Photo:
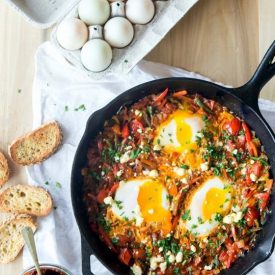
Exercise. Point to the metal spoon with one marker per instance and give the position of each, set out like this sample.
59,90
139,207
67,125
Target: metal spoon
29,241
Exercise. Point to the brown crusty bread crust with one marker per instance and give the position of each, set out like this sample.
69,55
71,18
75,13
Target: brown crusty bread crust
37,145
4,169
11,240
26,199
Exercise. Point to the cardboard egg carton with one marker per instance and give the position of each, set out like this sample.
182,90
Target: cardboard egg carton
146,37
45,13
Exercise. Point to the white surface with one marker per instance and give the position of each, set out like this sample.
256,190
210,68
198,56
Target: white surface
146,37
58,84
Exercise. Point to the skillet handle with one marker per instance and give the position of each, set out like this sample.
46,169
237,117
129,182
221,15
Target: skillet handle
250,91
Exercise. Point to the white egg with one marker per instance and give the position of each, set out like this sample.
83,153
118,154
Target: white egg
94,12
96,55
118,32
143,200
179,131
140,11
212,198
72,34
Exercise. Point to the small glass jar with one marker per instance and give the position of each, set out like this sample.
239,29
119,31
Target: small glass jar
57,268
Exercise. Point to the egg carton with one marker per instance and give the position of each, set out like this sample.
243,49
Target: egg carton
43,13
146,37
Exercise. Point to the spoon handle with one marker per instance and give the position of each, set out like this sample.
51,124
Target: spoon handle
29,241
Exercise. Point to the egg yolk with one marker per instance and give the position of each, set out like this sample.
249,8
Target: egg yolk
177,133
213,203
150,200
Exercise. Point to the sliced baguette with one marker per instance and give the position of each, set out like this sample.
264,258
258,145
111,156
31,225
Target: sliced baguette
4,169
26,199
36,146
11,240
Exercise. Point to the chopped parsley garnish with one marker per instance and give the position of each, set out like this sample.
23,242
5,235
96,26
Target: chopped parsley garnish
58,185
186,216
66,108
115,240
80,108
134,154
184,166
105,224
19,91
46,183
218,217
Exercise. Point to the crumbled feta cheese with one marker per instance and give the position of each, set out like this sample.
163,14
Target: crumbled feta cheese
132,163
179,171
138,113
102,173
253,177
153,173
125,157
204,166
151,211
116,158
184,180
119,173
139,130
160,249
220,143
252,161
236,208
193,248
238,216
243,171
228,219
157,147
179,257
207,267
153,263
108,200
139,221
171,258
163,266
199,135
168,253
136,269
145,172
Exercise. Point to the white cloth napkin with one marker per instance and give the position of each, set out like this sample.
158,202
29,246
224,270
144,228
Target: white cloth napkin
65,94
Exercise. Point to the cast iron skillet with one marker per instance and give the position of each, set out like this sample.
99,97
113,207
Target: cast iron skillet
243,101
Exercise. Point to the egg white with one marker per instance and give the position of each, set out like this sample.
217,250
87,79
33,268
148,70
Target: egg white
126,199
172,134
195,223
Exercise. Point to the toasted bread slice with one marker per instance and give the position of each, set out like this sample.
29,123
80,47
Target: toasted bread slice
11,240
36,146
26,199
4,169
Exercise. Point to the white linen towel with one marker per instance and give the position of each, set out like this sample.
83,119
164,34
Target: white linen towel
65,94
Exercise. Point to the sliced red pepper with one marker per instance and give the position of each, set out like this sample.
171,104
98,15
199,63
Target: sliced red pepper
102,194
100,144
252,149
180,93
263,200
125,131
251,215
247,132
125,256
106,239
161,96
113,188
135,126
256,169
233,126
